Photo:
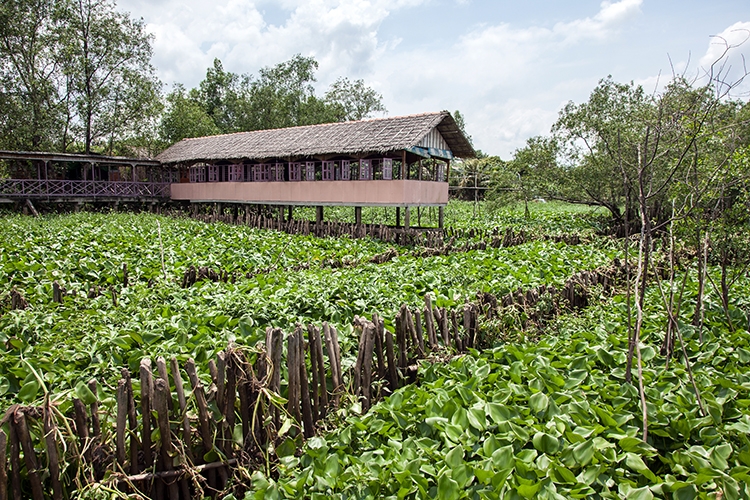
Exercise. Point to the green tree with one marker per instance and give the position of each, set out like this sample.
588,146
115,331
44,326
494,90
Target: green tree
527,175
112,82
30,71
353,100
185,117
220,95
282,95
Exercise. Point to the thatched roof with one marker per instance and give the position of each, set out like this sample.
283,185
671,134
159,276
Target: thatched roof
373,136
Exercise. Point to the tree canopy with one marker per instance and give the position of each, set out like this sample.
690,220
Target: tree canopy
279,96
75,75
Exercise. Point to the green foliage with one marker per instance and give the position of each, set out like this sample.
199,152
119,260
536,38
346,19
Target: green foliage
353,100
551,419
280,96
74,74
184,118
31,113
332,281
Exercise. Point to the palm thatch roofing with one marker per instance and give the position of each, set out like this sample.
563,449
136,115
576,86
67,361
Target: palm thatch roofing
381,135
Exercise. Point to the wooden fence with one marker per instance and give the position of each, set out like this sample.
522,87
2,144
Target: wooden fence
162,440
434,241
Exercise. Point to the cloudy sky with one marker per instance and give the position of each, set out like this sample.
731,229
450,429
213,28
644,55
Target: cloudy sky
509,66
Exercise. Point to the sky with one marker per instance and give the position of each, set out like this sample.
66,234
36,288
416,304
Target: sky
508,66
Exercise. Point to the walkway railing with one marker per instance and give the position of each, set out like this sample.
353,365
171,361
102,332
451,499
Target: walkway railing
35,188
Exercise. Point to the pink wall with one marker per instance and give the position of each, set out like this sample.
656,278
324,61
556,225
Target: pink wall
348,193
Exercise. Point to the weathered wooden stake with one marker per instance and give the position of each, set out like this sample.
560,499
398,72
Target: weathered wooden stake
122,418
96,429
332,348
392,373
161,369
401,328
19,419
3,466
273,344
415,329
230,398
132,423
161,397
15,463
307,416
146,397
200,399
323,389
53,457
369,334
456,334
428,317
379,332
293,352
182,401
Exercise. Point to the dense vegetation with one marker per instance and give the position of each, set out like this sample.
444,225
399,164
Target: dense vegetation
154,315
541,409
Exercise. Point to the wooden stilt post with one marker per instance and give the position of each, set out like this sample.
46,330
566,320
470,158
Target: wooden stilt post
406,218
441,217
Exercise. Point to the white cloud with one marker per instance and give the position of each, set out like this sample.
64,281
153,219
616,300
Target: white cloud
508,79
609,18
504,79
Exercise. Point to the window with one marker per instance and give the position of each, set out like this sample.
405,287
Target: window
346,170
278,172
328,170
213,173
365,170
295,172
236,173
387,168
192,174
260,172
440,173
310,171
